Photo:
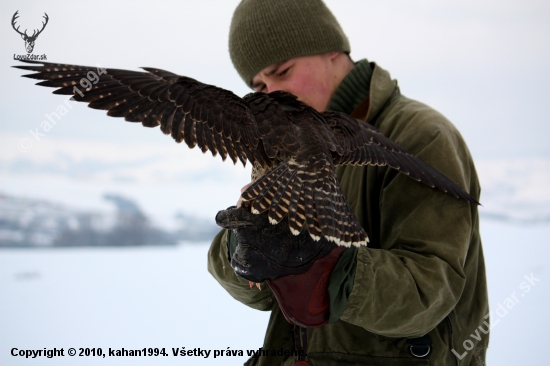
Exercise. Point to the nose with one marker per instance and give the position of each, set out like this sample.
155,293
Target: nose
271,87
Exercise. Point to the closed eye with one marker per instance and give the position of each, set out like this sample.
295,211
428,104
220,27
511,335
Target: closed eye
259,88
283,72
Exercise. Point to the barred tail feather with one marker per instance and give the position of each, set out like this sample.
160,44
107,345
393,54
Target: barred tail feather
296,212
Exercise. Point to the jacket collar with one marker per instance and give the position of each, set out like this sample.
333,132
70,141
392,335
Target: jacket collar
364,91
382,88
353,89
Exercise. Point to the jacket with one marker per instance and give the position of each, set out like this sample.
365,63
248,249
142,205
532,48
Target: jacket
423,272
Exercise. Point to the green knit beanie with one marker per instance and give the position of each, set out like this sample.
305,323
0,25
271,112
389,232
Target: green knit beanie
264,32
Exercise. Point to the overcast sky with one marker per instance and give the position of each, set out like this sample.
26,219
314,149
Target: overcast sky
483,64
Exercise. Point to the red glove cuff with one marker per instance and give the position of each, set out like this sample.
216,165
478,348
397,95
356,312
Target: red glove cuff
303,298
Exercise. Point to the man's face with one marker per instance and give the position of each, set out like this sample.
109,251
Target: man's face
311,78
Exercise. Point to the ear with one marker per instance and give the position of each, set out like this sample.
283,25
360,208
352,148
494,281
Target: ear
333,55
23,36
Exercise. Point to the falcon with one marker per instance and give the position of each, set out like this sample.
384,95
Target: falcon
293,148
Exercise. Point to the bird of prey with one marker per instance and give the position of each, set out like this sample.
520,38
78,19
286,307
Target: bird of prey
293,148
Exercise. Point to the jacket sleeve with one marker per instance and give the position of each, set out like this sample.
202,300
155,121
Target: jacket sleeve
417,277
237,287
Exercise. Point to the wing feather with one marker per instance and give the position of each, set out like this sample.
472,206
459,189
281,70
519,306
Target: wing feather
367,146
198,114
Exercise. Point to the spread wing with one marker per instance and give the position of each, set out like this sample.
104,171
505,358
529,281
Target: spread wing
263,128
362,144
212,118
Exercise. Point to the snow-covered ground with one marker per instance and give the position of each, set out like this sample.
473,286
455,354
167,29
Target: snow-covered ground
164,297
135,298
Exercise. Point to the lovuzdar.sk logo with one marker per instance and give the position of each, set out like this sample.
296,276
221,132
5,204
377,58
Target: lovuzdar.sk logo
29,40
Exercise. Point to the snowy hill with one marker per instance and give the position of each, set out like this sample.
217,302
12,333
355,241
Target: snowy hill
28,222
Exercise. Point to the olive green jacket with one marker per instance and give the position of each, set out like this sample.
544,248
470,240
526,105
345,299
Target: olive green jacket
423,272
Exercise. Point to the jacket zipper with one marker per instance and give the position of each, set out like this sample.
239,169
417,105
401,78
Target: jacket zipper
451,345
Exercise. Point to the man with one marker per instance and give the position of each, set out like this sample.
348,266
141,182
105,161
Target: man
417,292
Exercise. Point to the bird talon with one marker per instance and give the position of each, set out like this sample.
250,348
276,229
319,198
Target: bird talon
258,285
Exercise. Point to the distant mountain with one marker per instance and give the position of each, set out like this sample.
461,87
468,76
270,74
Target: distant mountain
39,223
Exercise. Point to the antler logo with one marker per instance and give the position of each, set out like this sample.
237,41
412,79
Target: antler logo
29,40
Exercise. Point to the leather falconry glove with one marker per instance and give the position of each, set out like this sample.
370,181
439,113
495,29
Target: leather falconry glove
296,267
